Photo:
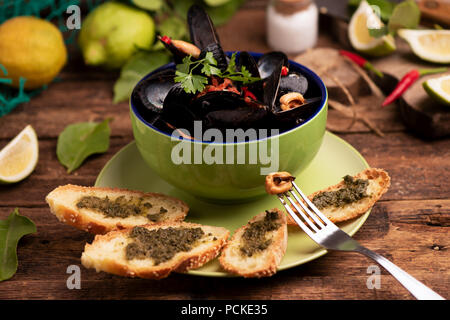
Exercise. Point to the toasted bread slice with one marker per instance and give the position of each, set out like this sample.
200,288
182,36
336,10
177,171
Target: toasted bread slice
262,263
108,252
379,182
63,203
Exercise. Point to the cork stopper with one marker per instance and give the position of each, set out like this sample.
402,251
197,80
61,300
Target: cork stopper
288,7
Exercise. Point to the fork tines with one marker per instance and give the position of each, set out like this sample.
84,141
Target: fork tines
307,216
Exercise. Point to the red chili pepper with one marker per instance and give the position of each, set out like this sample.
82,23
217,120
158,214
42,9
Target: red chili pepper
284,71
407,80
166,39
248,93
360,61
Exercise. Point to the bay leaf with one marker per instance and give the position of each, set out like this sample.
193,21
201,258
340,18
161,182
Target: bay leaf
80,140
405,15
11,230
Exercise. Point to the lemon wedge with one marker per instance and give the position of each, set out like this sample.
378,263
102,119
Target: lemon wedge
19,157
358,32
430,45
439,89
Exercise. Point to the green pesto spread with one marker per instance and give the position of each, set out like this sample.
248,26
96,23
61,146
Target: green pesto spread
161,244
120,207
354,190
254,237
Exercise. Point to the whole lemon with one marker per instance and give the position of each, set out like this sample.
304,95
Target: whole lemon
113,32
31,48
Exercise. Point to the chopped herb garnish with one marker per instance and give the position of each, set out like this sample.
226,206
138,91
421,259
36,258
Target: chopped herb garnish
193,83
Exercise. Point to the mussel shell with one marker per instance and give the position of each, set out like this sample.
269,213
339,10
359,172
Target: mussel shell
269,61
296,115
151,92
271,86
202,30
177,108
246,60
218,54
216,100
293,82
243,117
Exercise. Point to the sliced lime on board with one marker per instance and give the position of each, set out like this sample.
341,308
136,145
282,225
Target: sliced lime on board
360,38
19,157
439,89
429,45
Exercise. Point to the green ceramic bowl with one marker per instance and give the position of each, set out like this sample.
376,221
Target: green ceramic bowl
232,181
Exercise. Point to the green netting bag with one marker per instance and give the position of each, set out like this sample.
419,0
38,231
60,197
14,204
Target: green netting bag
48,9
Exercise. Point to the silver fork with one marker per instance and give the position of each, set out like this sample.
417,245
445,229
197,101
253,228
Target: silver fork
319,228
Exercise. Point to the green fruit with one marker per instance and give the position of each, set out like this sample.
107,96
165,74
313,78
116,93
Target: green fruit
113,32
360,37
439,89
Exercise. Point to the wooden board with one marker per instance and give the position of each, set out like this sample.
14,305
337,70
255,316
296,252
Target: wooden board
421,114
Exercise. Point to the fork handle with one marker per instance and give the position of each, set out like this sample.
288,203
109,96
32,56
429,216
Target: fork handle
414,286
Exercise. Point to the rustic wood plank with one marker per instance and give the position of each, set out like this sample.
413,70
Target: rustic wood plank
400,230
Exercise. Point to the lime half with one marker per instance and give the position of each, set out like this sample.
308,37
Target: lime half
358,32
19,157
439,89
429,45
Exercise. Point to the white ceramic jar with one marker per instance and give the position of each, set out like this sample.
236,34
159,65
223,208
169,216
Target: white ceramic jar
292,25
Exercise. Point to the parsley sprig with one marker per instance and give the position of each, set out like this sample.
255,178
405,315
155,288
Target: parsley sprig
193,83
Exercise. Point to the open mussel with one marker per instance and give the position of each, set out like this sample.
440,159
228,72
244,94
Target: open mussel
226,109
151,92
293,82
204,35
269,61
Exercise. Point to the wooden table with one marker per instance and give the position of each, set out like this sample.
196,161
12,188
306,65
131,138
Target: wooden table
409,225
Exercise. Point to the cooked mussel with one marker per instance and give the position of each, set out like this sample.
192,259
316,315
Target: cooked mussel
269,61
287,114
153,90
293,82
204,35
177,108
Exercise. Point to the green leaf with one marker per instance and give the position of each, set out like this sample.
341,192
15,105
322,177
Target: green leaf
135,69
215,3
11,230
152,5
173,27
386,7
232,64
405,15
209,58
378,33
221,14
191,83
210,70
80,140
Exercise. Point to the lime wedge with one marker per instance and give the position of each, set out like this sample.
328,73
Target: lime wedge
429,45
19,157
358,32
439,89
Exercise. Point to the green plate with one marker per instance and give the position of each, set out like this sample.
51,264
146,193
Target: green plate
335,159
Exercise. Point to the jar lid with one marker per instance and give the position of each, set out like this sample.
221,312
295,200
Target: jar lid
291,6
